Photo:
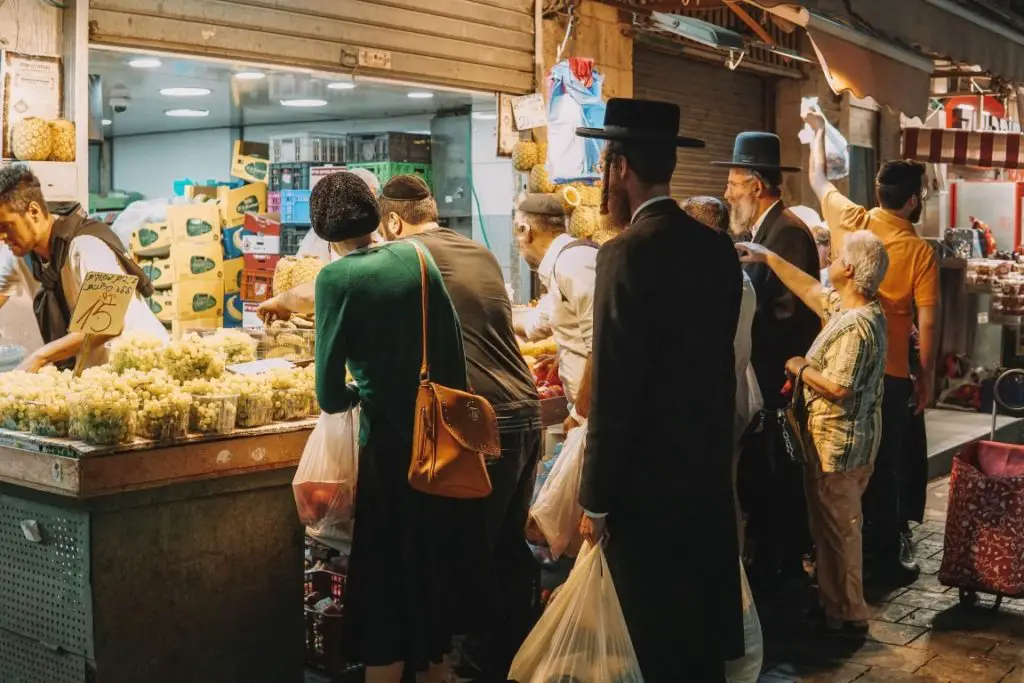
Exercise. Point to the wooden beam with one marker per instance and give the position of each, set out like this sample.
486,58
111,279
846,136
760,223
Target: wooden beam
745,17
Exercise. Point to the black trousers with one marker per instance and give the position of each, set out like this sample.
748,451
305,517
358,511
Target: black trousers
486,657
886,507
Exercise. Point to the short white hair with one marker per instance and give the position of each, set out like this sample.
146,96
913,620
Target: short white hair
866,254
367,177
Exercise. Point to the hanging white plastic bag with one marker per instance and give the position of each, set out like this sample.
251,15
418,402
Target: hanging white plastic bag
747,668
582,635
325,483
556,511
837,150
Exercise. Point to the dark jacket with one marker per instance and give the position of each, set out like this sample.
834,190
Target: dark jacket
659,439
783,326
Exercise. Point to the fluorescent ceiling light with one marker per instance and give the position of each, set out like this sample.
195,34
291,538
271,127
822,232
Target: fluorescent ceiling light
484,116
303,103
341,85
107,122
145,63
965,107
250,75
420,95
184,92
187,113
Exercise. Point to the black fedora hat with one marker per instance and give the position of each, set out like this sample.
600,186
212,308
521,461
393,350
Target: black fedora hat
631,120
758,152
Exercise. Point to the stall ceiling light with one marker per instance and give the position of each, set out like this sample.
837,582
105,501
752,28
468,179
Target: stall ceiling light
250,75
145,63
484,116
184,92
107,122
965,107
341,85
187,113
420,95
304,103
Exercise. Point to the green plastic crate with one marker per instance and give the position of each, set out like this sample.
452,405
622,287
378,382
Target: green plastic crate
386,170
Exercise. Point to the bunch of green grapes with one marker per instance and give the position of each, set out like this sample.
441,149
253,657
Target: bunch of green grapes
291,398
18,388
255,398
238,346
191,358
213,413
164,408
102,407
49,416
135,351
307,381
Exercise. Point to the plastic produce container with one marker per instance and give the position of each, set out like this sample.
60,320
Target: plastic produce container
324,148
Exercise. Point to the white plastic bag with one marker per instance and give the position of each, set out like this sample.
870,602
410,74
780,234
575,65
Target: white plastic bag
747,669
325,483
837,150
582,635
557,511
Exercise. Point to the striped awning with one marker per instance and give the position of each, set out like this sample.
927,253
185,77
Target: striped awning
963,147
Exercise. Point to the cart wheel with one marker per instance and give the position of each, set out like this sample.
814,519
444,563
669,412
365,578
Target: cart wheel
999,601
968,598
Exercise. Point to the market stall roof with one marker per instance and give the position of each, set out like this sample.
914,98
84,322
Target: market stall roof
964,147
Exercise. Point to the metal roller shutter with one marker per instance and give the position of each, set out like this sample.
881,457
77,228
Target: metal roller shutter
474,44
716,105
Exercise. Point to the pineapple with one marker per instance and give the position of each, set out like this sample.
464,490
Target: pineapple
525,156
590,195
540,181
569,196
63,132
585,222
542,152
31,139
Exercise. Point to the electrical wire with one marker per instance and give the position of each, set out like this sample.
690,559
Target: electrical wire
472,185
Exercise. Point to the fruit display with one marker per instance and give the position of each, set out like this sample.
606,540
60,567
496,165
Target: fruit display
286,339
237,346
49,417
569,196
136,351
213,413
164,407
20,390
102,408
544,347
62,133
192,358
32,139
292,394
585,222
255,406
526,155
292,271
540,180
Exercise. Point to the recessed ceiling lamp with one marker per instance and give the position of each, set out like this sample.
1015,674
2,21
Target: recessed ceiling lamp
484,116
184,92
107,122
145,63
341,85
420,95
304,103
187,113
250,75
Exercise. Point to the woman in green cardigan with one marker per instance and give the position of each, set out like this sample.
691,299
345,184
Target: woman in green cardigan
419,570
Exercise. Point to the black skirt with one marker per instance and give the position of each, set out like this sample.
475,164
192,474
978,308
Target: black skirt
420,571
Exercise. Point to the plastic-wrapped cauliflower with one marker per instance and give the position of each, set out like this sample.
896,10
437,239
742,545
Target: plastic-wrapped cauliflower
191,358
135,351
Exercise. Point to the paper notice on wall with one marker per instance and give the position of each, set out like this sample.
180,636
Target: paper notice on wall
30,85
529,111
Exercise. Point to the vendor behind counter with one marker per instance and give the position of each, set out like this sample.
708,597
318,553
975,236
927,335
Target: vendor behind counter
49,256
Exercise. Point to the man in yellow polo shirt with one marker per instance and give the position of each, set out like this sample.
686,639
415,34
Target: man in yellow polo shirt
912,282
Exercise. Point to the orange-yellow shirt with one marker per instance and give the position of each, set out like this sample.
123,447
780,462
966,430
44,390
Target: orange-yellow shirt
912,278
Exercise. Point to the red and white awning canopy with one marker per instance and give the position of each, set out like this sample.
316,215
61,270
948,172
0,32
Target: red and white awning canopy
964,147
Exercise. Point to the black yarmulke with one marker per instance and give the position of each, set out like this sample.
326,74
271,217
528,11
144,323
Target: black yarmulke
406,187
342,207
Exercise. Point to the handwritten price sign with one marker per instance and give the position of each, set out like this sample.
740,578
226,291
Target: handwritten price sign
102,303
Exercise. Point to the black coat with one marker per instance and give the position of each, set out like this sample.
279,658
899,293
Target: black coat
783,326
660,439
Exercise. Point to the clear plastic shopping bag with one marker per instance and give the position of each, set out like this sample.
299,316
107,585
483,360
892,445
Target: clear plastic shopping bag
556,512
582,635
837,150
747,669
325,483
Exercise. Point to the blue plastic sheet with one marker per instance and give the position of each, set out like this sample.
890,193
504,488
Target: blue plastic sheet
571,104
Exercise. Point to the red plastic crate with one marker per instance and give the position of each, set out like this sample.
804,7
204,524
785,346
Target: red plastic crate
257,285
261,262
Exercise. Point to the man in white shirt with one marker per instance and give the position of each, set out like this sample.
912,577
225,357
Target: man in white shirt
52,255
567,269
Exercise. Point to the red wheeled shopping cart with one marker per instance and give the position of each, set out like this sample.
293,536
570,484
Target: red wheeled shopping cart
984,545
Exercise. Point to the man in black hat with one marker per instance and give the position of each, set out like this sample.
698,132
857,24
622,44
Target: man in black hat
771,491
659,438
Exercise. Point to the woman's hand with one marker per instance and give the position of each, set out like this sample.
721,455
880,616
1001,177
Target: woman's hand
273,309
815,120
752,253
34,362
795,365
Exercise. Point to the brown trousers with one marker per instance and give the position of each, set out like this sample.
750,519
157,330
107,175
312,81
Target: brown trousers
834,511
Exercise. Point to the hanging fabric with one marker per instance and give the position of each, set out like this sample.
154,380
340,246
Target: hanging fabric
574,101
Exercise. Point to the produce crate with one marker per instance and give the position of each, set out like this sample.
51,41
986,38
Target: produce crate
291,238
389,147
295,206
324,631
318,173
257,285
273,202
290,176
385,171
324,148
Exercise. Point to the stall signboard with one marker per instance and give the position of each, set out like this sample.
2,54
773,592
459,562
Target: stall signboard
258,367
102,303
529,111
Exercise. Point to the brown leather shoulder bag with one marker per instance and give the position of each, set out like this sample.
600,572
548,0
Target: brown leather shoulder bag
454,431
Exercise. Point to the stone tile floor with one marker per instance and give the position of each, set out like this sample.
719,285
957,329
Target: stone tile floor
919,634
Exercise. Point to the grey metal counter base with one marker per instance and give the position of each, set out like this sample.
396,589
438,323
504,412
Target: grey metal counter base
174,564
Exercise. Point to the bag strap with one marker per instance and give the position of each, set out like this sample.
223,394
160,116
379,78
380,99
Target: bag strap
799,404
554,267
424,282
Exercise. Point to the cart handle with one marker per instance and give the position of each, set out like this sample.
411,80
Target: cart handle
998,401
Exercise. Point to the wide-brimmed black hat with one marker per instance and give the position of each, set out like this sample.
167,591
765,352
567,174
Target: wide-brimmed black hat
629,120
758,152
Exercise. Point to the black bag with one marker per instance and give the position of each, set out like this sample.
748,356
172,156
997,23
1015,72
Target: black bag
792,422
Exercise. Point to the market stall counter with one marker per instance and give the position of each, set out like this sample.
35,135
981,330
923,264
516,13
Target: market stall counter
158,562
